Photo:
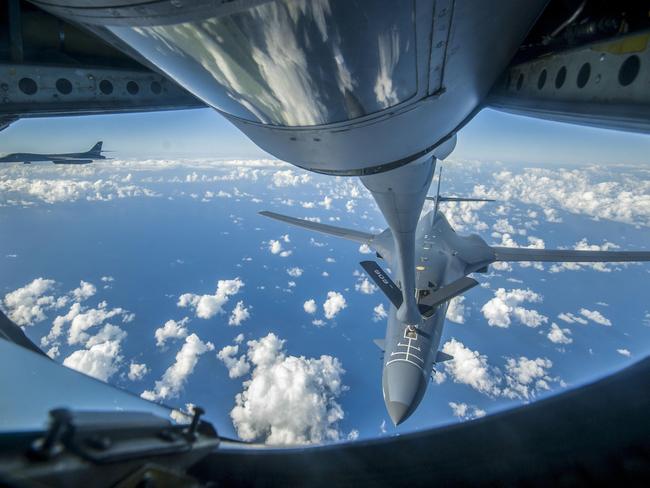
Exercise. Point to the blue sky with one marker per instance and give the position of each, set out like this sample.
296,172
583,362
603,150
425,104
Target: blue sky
491,136
164,229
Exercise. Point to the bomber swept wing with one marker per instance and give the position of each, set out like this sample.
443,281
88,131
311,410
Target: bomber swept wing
443,198
567,255
549,255
349,234
72,161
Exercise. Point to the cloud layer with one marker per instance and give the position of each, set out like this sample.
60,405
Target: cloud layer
522,379
288,399
207,306
174,379
506,306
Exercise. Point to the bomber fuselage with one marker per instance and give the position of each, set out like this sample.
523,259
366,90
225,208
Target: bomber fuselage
410,350
68,158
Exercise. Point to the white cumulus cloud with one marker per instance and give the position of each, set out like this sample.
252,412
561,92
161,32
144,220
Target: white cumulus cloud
295,272
102,356
470,368
592,191
171,330
137,371
379,313
27,305
275,246
456,310
465,412
506,305
310,306
558,335
334,304
81,322
525,378
288,399
364,286
175,377
595,316
53,191
570,318
365,249
207,306
84,292
239,314
288,177
624,352
236,366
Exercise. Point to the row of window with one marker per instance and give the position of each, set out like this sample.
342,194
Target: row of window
627,74
29,87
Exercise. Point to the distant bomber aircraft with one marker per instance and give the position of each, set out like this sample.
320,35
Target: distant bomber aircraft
443,261
93,154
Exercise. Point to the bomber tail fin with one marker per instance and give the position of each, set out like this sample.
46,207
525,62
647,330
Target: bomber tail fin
96,150
441,198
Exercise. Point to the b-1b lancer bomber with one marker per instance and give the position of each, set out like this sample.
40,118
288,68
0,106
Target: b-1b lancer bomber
87,157
428,280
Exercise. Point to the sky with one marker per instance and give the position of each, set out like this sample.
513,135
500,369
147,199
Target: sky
491,136
154,272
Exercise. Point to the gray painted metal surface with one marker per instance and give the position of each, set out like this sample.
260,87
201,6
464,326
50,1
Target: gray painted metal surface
604,84
194,46
28,90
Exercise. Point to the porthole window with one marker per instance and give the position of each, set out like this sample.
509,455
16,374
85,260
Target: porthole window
560,77
583,75
156,88
629,70
106,87
541,81
27,86
64,86
132,87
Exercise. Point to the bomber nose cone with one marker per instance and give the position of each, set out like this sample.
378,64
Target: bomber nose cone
404,386
397,411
